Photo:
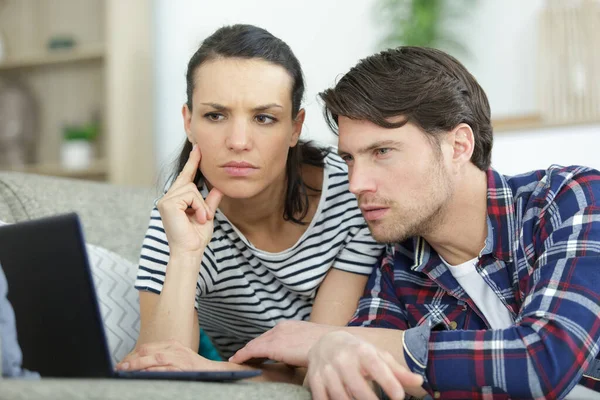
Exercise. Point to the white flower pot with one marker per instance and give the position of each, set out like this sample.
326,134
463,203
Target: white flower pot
77,154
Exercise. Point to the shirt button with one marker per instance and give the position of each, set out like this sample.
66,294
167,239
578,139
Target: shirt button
437,395
453,325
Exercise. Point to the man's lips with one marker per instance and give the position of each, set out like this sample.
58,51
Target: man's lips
372,212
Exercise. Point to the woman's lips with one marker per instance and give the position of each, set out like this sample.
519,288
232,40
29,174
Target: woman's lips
239,168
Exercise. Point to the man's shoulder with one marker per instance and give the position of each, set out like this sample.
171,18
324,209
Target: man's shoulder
546,185
555,194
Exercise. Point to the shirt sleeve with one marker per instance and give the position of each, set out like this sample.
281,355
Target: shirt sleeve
359,252
154,259
556,335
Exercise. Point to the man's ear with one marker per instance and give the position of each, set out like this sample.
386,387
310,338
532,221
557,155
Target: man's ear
186,113
297,126
463,144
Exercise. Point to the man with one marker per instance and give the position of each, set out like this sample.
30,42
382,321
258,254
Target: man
490,287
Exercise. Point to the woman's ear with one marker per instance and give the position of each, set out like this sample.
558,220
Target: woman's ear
297,127
186,113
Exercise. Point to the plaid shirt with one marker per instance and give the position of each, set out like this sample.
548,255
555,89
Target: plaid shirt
542,259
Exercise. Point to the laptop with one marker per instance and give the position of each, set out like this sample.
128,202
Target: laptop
59,324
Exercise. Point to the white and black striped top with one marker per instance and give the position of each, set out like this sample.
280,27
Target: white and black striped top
242,291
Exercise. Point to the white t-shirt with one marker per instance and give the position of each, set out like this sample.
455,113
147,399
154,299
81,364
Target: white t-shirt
481,293
496,312
242,291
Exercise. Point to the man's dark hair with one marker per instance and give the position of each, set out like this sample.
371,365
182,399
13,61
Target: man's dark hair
424,86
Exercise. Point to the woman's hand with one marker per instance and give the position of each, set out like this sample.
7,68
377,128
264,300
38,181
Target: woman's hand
166,356
186,216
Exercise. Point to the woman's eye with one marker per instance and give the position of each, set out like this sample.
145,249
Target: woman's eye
214,117
264,119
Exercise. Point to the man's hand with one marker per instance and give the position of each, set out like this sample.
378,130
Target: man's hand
166,356
289,342
342,366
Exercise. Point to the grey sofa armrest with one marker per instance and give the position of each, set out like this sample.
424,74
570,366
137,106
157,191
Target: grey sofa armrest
122,389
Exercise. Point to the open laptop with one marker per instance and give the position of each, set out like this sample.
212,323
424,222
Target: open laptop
59,324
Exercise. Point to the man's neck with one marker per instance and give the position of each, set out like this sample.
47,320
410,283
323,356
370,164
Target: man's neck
462,233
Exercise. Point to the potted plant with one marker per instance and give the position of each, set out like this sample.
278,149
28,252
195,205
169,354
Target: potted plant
423,23
77,150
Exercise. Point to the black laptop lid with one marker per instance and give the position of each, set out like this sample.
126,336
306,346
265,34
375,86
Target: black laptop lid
50,287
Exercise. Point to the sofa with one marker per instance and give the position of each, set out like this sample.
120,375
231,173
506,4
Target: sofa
113,218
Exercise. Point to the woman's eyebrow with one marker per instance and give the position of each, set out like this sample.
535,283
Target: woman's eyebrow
216,106
262,107
267,106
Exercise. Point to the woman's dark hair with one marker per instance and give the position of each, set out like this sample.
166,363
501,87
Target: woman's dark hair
424,86
251,42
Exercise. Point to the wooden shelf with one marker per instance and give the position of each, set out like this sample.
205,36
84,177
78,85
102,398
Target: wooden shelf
54,57
531,122
97,171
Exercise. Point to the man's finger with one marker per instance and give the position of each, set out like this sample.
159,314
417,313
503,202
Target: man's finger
333,384
188,173
357,385
252,350
410,381
379,371
316,386
403,374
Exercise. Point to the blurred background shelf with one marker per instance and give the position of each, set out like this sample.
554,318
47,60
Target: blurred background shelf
535,122
54,57
104,80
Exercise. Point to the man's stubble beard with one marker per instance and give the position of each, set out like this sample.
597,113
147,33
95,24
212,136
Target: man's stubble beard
429,216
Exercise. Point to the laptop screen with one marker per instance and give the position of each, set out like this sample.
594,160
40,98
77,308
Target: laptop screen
51,289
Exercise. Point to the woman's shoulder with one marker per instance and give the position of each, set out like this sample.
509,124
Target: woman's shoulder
334,163
336,174
336,187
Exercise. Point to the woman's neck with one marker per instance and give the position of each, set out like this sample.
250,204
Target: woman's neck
263,211
260,218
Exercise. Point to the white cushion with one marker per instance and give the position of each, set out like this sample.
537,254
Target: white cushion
119,301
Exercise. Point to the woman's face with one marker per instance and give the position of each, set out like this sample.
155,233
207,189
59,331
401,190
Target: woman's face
242,123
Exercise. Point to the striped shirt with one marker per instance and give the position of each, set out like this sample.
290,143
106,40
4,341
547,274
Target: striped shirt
242,291
542,260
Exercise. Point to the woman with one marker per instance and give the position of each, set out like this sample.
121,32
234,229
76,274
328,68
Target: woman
246,241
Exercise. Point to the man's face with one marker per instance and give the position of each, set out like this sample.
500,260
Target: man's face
399,177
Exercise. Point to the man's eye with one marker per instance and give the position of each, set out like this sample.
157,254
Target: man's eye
383,151
347,159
